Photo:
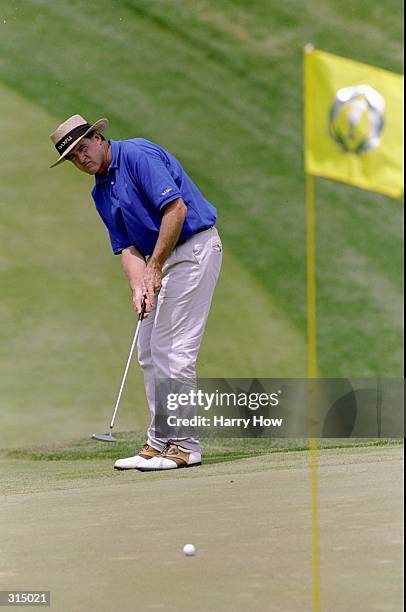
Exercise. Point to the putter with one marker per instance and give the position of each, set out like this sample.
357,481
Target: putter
108,437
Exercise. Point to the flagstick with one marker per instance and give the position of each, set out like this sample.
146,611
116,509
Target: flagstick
312,375
311,280
311,347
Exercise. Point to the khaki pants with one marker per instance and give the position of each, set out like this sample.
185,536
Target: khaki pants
170,337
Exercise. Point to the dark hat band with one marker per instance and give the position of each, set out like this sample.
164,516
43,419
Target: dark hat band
70,137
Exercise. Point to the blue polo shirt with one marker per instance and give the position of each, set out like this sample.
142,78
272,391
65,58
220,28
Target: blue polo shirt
141,180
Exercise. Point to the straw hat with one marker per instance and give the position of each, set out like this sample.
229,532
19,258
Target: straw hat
68,134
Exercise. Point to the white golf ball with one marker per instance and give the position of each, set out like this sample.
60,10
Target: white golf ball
189,550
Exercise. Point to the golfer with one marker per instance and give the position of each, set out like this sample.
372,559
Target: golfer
163,227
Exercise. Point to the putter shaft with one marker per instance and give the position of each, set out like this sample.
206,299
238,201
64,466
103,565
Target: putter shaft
134,342
108,437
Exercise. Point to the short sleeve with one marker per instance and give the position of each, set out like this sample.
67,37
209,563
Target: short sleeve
155,181
117,232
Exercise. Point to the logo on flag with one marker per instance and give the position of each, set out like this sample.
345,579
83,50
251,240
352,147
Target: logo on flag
356,118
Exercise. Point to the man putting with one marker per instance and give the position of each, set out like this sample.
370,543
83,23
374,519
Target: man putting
171,253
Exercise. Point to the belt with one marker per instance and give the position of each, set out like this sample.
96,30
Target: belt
198,232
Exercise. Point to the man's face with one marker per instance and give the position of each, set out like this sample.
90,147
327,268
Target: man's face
89,155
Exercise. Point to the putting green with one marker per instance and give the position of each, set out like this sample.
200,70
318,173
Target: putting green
114,542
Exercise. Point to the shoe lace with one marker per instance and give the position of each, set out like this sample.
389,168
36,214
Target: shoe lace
167,447
145,448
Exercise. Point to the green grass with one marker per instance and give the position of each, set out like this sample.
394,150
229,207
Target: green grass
86,463
220,85
215,450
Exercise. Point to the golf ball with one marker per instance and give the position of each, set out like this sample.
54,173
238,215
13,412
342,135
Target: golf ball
189,550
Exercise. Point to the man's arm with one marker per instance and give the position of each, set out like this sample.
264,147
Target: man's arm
171,227
134,267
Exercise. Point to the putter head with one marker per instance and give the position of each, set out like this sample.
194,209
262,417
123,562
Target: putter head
104,437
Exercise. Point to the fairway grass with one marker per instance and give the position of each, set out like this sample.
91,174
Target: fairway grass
220,85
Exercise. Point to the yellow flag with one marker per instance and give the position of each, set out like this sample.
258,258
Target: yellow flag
353,123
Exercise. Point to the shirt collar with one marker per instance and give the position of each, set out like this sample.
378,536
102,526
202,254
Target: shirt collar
114,148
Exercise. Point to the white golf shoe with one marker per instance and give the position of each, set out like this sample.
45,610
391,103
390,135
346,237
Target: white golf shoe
171,458
131,463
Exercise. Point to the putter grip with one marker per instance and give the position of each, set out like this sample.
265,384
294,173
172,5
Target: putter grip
142,313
